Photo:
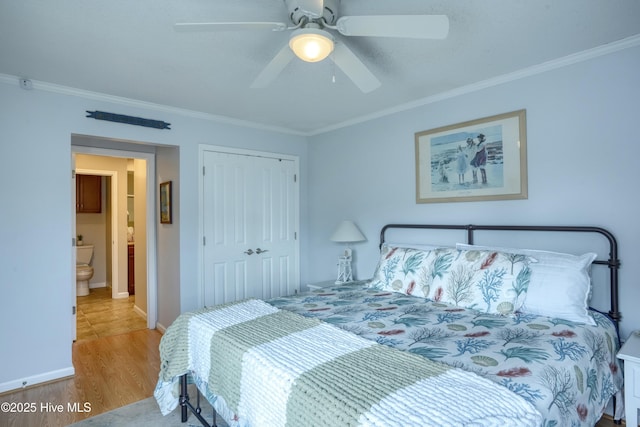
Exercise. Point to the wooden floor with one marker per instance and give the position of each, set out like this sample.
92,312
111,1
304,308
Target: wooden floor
607,421
116,363
98,315
114,366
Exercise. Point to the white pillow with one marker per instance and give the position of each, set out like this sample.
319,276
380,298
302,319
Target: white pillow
560,284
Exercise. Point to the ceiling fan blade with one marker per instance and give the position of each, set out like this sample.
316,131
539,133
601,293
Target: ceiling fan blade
351,65
229,26
406,26
274,68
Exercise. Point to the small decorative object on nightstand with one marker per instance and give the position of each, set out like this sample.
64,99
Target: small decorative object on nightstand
630,353
347,232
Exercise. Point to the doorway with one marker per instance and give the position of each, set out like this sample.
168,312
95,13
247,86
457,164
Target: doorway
119,236
109,306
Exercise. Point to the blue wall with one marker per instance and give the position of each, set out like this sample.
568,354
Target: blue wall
583,153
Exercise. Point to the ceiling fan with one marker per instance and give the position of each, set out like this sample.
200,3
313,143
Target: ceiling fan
311,23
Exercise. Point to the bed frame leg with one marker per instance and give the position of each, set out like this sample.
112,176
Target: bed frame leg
619,421
185,405
184,398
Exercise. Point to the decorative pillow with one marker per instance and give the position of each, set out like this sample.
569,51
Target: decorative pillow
400,269
488,281
560,283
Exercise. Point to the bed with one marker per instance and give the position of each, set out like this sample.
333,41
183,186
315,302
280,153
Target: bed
456,334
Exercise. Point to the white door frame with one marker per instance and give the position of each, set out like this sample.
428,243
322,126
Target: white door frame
240,151
74,290
152,263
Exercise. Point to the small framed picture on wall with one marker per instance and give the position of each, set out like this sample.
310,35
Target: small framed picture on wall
165,203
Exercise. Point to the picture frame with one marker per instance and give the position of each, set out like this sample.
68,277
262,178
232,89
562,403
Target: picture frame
477,160
165,203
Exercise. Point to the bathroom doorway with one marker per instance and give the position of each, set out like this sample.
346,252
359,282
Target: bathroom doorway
110,306
122,230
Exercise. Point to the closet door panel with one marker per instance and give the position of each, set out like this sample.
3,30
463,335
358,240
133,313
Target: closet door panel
277,239
227,226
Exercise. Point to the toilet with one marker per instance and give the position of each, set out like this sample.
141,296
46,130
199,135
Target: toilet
84,271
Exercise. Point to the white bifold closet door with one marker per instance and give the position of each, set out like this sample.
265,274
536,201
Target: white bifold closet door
249,221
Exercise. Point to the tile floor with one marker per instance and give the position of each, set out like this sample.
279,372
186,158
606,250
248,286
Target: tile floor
98,315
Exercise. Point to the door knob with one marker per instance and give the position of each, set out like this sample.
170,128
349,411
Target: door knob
249,251
259,251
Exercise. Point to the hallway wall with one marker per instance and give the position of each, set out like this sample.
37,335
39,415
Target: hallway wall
140,233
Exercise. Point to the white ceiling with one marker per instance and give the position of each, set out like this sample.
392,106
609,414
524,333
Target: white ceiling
129,49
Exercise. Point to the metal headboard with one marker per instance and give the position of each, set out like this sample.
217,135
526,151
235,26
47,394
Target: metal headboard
613,263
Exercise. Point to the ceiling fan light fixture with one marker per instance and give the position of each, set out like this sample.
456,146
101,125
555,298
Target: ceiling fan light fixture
311,44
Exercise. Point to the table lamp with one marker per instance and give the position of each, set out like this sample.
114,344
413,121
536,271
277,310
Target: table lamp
347,232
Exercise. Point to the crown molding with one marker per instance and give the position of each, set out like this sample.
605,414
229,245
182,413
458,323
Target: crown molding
575,58
627,43
103,97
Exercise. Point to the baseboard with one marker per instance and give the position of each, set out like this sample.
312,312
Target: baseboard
97,285
160,327
139,311
36,379
120,295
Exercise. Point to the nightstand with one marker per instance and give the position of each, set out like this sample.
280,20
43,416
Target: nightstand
630,353
320,285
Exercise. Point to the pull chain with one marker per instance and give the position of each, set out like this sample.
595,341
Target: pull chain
333,69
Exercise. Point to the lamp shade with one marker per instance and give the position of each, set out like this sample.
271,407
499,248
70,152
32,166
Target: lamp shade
311,44
347,232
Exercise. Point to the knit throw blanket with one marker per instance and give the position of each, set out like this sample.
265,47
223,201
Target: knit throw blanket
275,368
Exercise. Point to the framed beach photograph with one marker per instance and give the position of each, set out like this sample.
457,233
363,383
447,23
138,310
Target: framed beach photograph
165,203
483,159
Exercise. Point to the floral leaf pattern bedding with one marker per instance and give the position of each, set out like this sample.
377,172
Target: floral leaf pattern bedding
485,280
565,369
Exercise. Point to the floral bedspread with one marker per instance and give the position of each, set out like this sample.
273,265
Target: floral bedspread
567,370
